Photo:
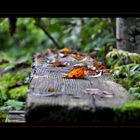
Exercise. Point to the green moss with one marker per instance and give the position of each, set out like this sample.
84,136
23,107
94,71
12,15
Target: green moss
8,80
18,93
134,104
128,112
3,116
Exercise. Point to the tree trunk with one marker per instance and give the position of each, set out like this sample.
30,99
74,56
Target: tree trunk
128,34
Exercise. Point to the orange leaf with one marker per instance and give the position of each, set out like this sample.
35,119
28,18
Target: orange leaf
77,73
66,51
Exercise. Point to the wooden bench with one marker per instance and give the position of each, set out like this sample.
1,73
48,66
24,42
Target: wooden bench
52,98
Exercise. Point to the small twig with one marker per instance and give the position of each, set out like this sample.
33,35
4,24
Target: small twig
39,24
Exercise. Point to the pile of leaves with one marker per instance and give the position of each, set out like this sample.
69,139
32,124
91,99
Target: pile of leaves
82,65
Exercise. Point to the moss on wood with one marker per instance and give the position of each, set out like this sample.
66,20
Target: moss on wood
129,112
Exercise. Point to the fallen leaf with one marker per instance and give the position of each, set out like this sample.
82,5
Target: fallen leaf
77,73
65,51
51,90
58,63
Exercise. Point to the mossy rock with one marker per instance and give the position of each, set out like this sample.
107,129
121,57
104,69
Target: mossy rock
18,93
129,112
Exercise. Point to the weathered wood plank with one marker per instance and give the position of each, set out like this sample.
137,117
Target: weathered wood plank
53,98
